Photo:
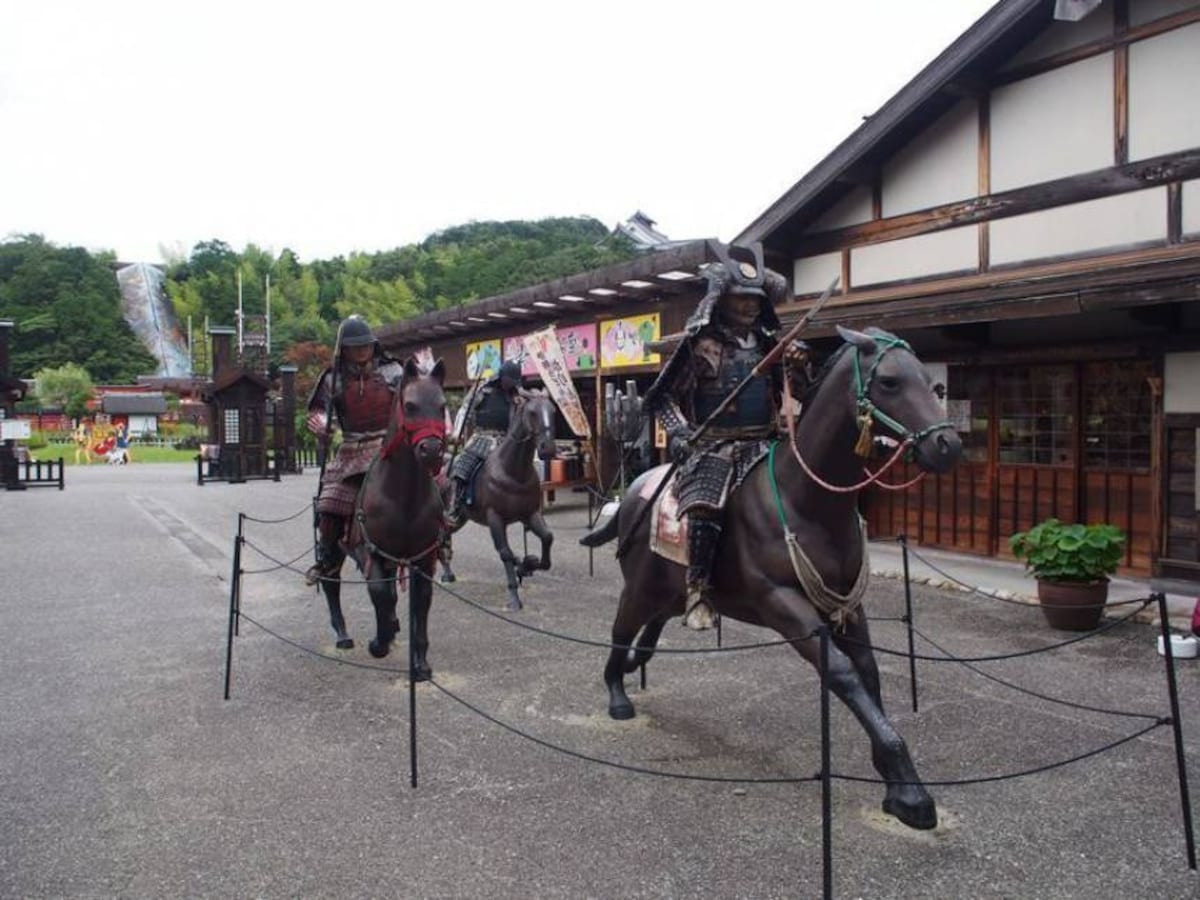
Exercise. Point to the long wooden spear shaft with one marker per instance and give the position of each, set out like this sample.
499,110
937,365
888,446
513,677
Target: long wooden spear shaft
763,364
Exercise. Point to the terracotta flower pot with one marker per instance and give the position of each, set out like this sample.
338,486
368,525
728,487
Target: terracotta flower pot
1073,605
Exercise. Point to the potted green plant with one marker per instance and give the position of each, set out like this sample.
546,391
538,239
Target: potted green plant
1071,564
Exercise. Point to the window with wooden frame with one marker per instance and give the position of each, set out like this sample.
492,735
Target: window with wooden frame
1118,414
1036,415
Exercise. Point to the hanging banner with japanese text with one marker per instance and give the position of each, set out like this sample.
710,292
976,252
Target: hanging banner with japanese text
543,348
578,343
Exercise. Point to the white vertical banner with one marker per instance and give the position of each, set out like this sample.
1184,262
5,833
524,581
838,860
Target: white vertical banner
547,355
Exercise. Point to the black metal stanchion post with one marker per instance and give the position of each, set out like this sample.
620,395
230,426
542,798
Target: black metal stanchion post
720,619
234,607
1177,726
826,780
908,621
591,525
412,676
241,537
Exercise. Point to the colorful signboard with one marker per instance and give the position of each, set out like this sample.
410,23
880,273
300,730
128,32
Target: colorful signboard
623,341
544,350
578,343
483,359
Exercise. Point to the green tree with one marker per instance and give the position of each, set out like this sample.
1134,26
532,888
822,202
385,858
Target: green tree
67,387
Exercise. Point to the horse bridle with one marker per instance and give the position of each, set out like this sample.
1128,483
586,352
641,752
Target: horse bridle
412,431
866,408
867,412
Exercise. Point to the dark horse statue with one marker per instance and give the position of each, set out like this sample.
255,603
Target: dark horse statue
508,488
398,515
756,579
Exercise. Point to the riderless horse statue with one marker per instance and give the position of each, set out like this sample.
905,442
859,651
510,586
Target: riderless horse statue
398,515
793,554
508,488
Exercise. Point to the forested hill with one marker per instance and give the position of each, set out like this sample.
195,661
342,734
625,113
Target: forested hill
66,306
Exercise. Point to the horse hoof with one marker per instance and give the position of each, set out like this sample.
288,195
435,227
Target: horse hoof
449,578
378,650
621,712
423,673
530,564
921,815
346,644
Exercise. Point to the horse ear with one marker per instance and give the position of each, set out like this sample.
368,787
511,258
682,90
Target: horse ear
411,370
864,342
438,372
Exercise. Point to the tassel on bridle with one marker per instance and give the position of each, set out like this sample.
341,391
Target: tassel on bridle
862,447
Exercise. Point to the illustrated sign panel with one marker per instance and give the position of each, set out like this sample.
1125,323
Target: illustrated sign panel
623,342
483,359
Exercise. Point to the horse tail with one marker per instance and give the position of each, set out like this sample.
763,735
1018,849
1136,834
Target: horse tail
603,534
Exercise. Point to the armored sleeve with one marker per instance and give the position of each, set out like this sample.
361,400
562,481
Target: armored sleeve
669,397
318,400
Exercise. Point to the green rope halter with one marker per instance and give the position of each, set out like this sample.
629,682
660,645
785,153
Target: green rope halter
866,408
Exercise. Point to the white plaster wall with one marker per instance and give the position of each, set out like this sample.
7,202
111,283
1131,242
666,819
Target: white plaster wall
1061,36
1164,110
813,273
853,209
1080,227
1181,383
1191,207
1143,11
1053,125
941,165
927,254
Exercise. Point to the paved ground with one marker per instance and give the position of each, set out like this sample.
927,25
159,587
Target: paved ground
124,773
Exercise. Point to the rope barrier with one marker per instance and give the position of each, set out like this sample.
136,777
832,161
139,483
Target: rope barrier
1021,690
1156,721
296,515
976,590
610,646
1107,626
1009,776
682,776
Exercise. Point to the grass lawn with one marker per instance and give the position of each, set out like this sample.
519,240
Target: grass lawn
137,454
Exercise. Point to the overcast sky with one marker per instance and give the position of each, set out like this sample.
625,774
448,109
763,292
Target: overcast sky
349,126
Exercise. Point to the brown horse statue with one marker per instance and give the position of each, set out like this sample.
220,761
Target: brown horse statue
756,576
508,488
398,515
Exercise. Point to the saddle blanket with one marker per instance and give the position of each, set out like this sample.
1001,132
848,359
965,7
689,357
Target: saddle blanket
668,532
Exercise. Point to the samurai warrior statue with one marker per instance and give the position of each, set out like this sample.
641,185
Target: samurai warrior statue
358,389
488,411
733,328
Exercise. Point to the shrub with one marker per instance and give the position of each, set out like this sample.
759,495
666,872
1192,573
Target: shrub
1057,552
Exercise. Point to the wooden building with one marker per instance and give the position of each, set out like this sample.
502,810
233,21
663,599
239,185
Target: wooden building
1026,211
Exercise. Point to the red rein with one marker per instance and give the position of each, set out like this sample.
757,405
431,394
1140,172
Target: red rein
413,432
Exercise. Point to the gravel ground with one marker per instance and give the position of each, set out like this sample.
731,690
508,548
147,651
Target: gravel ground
124,773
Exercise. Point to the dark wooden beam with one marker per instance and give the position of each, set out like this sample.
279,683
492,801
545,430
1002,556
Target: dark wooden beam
1135,176
1096,47
1174,212
1120,84
985,177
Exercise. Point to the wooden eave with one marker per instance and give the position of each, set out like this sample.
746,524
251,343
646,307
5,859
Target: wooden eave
456,322
1063,287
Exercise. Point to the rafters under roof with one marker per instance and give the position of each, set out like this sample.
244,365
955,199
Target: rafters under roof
646,278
